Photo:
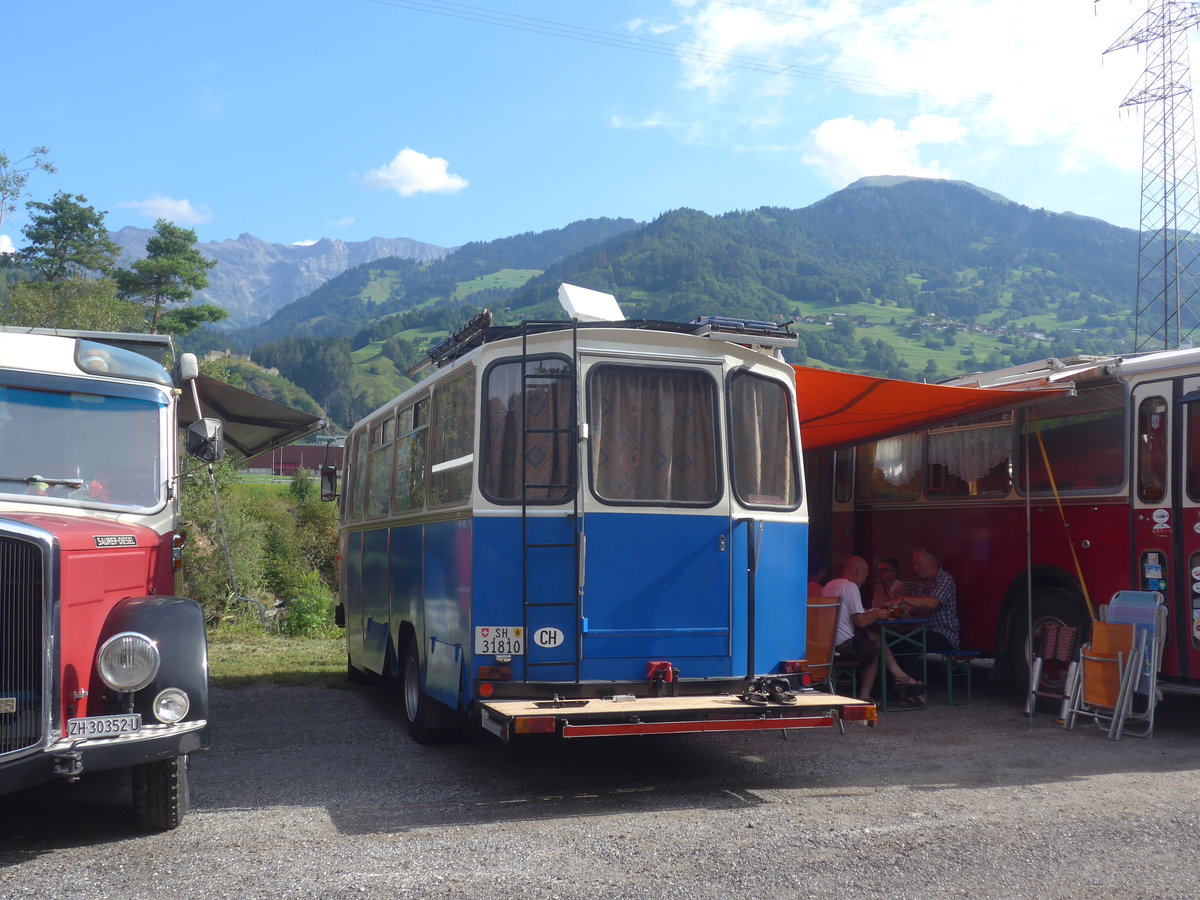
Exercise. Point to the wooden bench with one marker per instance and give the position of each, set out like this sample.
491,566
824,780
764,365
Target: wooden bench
844,669
958,665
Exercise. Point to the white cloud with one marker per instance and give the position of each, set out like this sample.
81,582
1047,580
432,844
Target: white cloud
181,212
415,173
344,222
1010,83
306,243
846,149
6,245
621,123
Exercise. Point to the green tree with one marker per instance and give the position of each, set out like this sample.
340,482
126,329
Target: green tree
189,318
14,175
91,305
171,272
67,239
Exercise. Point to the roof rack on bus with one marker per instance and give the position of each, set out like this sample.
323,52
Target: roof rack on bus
454,344
764,336
746,331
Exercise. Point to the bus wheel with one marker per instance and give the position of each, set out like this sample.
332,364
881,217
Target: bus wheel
1051,606
160,793
418,715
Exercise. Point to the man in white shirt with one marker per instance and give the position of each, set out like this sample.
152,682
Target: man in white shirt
850,644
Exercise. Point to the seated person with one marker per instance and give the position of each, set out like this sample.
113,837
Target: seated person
851,641
935,596
889,589
890,592
818,570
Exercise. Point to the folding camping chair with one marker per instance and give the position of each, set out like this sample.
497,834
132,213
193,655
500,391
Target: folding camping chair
1146,611
1055,644
1104,676
820,634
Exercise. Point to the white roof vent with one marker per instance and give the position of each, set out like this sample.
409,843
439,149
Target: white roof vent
589,306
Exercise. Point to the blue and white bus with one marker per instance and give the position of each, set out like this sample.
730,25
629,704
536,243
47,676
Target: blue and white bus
586,528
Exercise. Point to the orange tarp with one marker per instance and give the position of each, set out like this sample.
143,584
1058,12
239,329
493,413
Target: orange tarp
838,409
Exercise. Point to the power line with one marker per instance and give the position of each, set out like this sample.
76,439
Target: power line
1167,307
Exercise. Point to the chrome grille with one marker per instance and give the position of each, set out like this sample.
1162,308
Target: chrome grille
22,644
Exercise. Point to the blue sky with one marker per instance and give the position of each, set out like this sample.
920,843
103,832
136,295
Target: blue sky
447,122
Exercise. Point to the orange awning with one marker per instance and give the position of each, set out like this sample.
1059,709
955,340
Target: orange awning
838,409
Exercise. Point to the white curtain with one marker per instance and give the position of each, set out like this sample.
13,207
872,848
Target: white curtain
972,453
899,458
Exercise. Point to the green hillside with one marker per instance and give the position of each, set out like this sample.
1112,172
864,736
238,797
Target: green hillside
909,278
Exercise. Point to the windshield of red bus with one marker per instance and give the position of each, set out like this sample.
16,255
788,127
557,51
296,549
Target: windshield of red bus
77,448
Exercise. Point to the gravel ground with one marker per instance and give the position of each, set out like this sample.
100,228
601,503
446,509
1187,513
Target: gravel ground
317,792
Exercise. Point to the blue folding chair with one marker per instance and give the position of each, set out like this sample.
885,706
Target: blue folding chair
1146,611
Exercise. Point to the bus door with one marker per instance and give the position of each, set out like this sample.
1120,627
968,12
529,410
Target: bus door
1165,541
1186,615
657,543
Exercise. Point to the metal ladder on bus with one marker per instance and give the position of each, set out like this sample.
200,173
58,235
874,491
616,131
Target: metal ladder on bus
533,551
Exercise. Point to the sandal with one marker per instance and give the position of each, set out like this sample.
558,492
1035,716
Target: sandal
780,691
911,687
910,702
756,692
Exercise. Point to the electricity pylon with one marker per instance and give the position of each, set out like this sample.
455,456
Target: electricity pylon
1167,309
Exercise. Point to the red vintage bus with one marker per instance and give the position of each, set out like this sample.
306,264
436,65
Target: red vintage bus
1076,497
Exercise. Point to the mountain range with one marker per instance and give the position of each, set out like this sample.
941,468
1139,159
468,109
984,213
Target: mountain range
253,279
905,277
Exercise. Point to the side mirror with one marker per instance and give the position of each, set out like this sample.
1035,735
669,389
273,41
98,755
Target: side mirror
328,483
205,440
188,367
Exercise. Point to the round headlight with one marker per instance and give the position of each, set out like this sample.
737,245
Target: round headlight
128,661
171,705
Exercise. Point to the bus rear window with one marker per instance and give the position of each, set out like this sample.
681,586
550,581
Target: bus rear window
528,445
1084,437
654,436
763,449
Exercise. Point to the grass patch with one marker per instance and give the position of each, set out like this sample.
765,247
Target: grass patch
239,656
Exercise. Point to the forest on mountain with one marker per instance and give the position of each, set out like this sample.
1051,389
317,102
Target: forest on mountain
907,278
902,277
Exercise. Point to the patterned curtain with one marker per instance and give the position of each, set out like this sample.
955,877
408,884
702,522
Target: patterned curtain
548,457
654,435
764,463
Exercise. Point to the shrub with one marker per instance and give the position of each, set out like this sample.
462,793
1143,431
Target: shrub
310,612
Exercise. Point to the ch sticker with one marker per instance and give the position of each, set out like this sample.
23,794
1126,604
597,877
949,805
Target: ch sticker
548,637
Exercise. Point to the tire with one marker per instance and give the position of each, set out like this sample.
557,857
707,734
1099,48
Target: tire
419,715
160,793
1051,606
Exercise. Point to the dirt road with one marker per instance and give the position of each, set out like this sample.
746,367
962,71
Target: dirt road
317,792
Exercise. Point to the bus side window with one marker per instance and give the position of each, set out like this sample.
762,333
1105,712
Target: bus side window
1084,437
1152,450
843,474
358,477
379,467
451,451
412,426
